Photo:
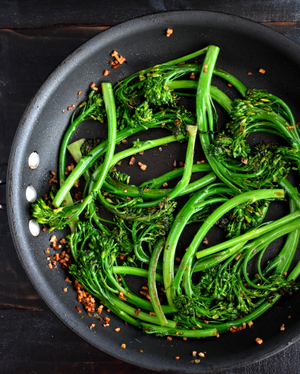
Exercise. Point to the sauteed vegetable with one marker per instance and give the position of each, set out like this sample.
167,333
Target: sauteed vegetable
212,290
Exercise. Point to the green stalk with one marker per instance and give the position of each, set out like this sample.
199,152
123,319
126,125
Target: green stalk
203,108
89,159
194,204
122,189
216,94
168,331
129,270
141,315
250,234
159,181
84,115
214,260
152,282
210,221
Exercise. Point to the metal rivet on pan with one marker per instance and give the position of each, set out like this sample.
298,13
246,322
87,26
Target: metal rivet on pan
34,227
33,160
31,194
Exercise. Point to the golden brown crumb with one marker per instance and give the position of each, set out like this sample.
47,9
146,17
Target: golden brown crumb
78,309
262,71
259,340
106,72
250,324
79,93
169,338
249,73
238,256
142,166
201,354
117,329
177,357
229,85
282,328
123,346
169,32
194,353
93,86
92,326
185,338
132,160
121,296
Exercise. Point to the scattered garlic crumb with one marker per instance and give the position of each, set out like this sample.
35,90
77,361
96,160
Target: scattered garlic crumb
262,71
142,166
169,32
259,340
123,346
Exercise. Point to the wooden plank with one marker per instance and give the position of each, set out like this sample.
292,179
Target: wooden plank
37,342
32,338
20,14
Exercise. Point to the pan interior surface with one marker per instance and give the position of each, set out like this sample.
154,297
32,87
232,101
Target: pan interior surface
244,47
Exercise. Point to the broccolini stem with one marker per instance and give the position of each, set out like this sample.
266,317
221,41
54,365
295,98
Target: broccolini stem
223,327
183,183
152,282
203,106
129,270
110,107
210,221
192,206
90,158
250,234
159,181
85,114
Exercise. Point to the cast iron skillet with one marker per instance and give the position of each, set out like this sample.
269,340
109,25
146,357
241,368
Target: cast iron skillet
245,46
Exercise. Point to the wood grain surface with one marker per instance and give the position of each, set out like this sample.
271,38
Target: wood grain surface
33,41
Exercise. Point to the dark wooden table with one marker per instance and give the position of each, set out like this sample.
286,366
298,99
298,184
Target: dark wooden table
34,38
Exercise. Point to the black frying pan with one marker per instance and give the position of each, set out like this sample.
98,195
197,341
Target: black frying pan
245,46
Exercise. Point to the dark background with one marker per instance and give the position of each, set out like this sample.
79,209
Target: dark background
35,36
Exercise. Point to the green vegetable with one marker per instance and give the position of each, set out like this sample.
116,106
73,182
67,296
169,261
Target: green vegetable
142,236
